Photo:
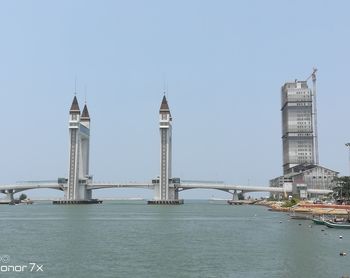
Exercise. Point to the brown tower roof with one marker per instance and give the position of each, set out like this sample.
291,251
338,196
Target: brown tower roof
85,115
164,107
75,106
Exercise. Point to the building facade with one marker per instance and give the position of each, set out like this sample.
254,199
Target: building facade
297,125
305,176
314,176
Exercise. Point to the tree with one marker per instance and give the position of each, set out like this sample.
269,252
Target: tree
22,197
342,188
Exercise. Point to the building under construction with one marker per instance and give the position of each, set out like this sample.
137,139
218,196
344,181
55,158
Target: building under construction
297,125
301,167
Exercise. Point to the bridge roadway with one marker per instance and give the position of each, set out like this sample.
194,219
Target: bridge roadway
245,188
18,187
182,186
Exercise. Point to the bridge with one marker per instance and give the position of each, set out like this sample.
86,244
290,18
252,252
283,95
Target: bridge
11,189
79,185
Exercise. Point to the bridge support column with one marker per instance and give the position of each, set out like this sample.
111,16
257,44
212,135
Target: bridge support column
176,194
235,196
9,196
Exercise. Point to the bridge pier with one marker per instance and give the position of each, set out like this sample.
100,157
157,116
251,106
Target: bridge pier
9,196
165,202
235,196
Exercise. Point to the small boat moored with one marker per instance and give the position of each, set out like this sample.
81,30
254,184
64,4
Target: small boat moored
300,216
319,221
337,225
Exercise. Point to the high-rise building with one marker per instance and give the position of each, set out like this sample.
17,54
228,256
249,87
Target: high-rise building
301,170
297,125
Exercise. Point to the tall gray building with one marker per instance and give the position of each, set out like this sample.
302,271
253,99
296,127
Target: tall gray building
297,125
301,170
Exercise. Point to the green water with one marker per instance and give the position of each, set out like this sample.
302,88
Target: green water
198,239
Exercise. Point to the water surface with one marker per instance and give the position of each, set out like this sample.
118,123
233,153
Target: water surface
197,239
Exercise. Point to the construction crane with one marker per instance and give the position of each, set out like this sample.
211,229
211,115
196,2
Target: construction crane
314,114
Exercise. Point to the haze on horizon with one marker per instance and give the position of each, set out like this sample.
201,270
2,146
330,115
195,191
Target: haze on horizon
223,62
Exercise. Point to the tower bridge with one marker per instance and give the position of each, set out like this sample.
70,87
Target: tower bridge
79,185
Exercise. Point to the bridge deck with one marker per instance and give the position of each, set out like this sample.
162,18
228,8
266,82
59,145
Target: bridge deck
181,186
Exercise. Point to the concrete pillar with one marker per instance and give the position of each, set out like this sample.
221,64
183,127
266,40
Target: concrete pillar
235,195
9,195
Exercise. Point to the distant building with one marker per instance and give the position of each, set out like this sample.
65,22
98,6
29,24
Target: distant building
306,176
315,176
300,172
297,125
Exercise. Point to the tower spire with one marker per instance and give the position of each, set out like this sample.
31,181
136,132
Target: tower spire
75,106
75,85
85,115
164,107
85,91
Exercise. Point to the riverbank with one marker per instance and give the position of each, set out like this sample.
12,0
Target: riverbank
16,202
307,207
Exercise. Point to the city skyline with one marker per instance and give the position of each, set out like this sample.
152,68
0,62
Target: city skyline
221,82
82,122
78,187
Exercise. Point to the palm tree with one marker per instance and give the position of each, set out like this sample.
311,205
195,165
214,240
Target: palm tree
22,197
342,188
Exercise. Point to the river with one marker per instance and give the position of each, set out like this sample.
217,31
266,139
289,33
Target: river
197,239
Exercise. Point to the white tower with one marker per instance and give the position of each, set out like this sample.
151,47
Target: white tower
73,179
79,133
85,153
164,192
165,187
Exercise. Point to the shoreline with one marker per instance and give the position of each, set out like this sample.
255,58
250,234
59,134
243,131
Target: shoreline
307,208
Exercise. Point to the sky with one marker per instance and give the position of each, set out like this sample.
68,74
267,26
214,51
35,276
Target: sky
221,63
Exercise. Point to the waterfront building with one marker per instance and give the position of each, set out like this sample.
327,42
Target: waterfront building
281,182
305,176
301,171
297,125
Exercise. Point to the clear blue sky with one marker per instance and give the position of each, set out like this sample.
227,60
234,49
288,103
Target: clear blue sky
224,63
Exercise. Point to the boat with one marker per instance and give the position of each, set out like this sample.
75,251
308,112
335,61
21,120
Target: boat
319,221
337,225
322,219
241,202
300,216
